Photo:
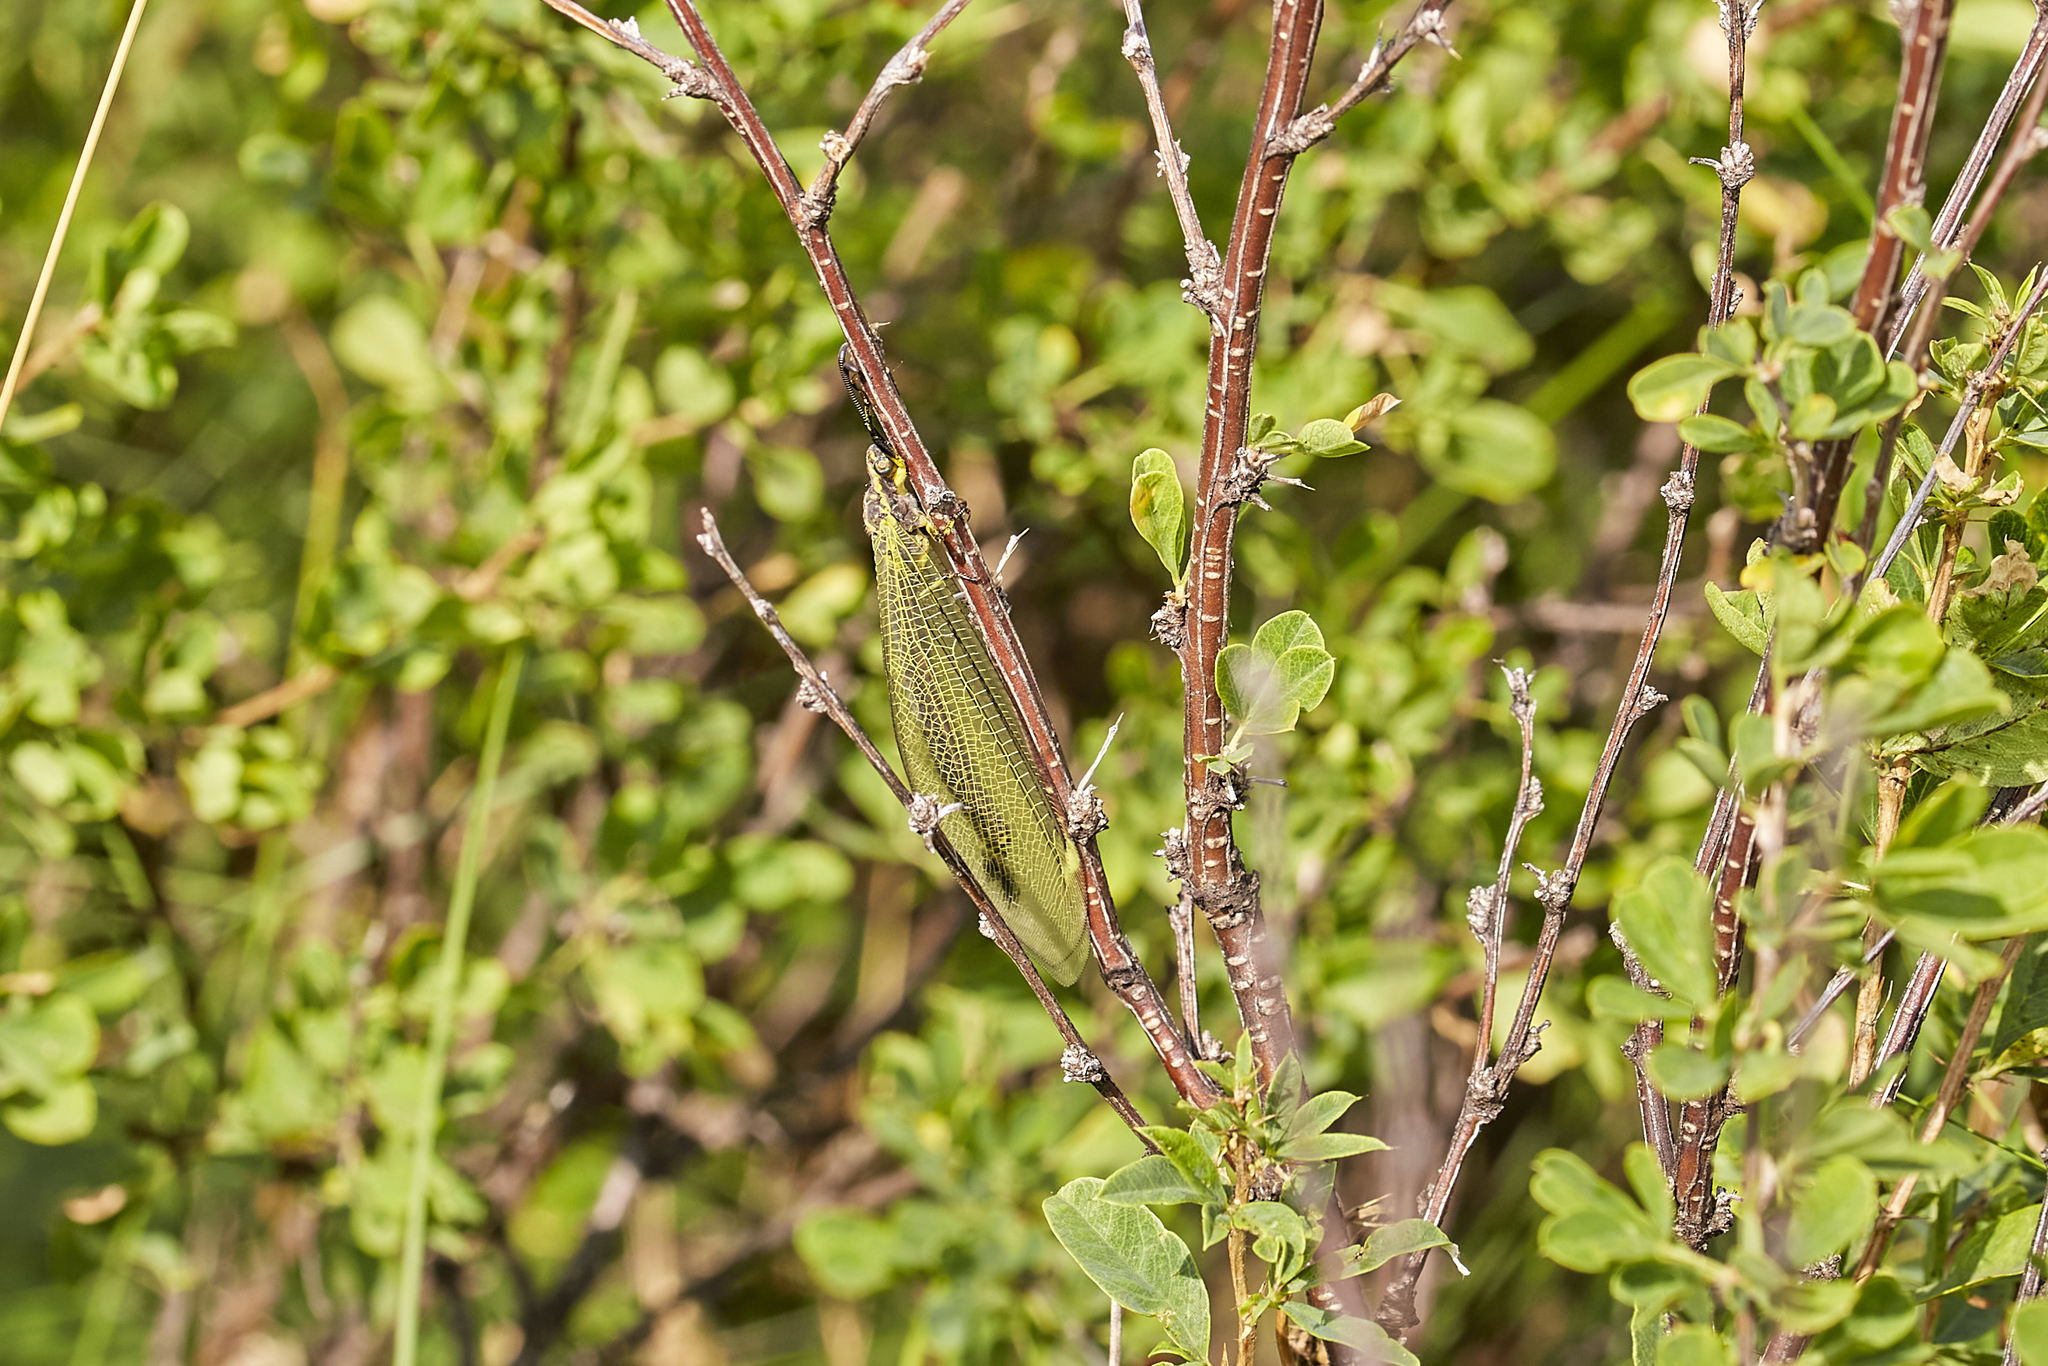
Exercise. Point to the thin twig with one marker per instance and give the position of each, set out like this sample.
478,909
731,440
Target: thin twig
1205,264
905,68
1488,906
1079,1062
1974,390
92,142
1486,1086
268,703
1832,992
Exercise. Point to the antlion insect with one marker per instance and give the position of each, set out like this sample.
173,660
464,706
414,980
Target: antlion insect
961,737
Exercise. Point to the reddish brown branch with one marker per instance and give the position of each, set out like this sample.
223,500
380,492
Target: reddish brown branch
1207,859
1919,325
1948,225
1903,183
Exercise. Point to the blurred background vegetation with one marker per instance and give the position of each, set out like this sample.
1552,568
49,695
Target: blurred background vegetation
396,333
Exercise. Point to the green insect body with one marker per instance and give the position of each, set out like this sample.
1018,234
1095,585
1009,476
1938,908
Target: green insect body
960,735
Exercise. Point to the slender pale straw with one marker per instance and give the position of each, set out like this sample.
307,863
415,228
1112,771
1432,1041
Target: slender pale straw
92,142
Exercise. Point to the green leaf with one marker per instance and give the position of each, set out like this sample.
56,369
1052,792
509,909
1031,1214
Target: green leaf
2030,1332
1757,760
1911,225
1362,1335
1134,1260
1671,389
1593,1226
1992,883
381,340
1154,1180
1885,1313
1693,1344
1288,631
1194,1161
1389,1241
1838,1203
1275,1227
1667,919
847,1252
1329,438
1266,685
44,1049
1716,434
1742,616
1995,1250
1492,450
2023,1007
1615,998
1327,1147
1319,1112
63,1115
1684,1073
1734,341
1811,417
1158,509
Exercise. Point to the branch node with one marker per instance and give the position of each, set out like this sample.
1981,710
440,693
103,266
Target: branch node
1228,904
1137,47
1428,25
1521,703
925,812
1204,286
1170,622
1305,131
1553,889
1085,816
1736,165
1175,852
1481,905
811,698
1241,484
1078,1064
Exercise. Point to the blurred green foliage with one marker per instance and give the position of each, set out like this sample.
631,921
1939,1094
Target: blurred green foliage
729,1082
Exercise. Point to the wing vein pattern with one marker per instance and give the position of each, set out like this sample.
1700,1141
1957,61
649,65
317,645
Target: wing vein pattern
962,741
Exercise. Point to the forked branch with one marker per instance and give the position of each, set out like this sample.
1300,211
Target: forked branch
905,68
1121,969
